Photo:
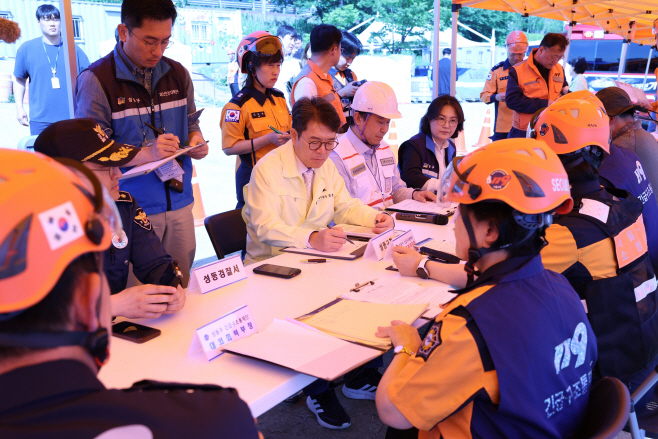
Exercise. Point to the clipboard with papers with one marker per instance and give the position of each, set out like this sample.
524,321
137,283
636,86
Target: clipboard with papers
413,206
347,252
147,168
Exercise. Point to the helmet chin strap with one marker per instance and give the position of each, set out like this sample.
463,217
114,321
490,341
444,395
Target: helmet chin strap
361,130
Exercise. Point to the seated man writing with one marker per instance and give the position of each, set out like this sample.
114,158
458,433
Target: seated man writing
295,192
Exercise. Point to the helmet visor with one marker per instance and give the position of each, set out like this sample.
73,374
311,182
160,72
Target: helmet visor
517,47
269,45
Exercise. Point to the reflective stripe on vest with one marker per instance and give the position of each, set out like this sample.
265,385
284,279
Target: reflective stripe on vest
533,86
368,189
324,84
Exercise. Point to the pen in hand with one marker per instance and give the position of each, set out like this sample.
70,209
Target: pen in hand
347,239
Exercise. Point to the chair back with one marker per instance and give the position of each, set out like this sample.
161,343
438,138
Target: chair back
608,409
27,143
227,232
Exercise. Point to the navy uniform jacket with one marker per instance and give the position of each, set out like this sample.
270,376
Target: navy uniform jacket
151,263
417,161
65,399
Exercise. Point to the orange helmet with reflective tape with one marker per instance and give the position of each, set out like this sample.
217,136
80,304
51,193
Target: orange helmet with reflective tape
260,43
516,42
523,173
50,216
571,124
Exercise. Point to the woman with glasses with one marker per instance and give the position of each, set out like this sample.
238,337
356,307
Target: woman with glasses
257,119
424,158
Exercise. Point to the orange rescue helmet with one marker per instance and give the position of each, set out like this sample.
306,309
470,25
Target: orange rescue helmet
260,43
516,42
569,125
50,216
523,173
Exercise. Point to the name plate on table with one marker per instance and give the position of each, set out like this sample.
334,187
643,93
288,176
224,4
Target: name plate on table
221,273
378,246
230,327
404,240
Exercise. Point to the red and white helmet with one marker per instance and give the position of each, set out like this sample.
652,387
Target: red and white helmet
516,42
260,43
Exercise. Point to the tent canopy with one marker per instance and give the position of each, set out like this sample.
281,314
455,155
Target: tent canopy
632,19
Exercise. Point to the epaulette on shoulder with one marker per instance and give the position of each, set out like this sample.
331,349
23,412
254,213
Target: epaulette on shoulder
240,98
125,197
500,64
278,93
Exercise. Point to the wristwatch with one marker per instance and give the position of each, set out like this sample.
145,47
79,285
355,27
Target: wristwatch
421,271
399,349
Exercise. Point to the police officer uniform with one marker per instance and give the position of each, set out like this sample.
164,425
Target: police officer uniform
64,398
495,84
418,163
372,177
601,248
341,79
137,244
490,365
248,116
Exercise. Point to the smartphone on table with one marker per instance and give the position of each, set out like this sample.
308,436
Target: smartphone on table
277,271
134,332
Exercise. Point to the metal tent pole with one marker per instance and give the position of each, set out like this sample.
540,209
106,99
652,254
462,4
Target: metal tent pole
646,71
435,48
453,56
71,65
622,60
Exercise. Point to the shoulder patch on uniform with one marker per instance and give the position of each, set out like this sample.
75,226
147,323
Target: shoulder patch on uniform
489,76
142,220
240,98
358,169
431,341
232,116
500,64
125,197
278,93
595,209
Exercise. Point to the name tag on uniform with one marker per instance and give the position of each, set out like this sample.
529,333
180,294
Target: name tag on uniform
558,78
503,78
387,161
358,169
258,114
55,82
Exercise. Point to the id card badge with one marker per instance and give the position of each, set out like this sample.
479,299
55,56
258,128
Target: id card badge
55,82
169,171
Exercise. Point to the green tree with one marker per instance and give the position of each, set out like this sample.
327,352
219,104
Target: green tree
405,19
344,17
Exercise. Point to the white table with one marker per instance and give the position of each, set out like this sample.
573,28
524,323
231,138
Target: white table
262,385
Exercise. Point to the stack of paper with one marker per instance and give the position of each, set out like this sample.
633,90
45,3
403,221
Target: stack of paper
402,292
358,321
414,206
348,251
360,231
304,349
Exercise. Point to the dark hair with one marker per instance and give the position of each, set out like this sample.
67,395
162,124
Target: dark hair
324,37
350,46
47,11
579,65
284,30
499,215
628,114
554,39
134,12
54,311
257,61
297,37
315,109
447,51
583,172
434,110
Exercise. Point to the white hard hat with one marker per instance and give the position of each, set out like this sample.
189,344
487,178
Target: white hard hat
376,98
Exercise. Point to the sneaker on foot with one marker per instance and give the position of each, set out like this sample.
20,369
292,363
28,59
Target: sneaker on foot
328,410
364,385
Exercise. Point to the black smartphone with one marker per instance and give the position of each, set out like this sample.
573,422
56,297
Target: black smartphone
360,83
134,332
175,185
277,271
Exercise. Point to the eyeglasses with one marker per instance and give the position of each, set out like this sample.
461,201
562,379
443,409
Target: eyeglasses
49,19
107,169
314,146
442,121
164,44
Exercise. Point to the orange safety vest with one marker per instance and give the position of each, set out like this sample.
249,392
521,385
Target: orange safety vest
533,85
325,85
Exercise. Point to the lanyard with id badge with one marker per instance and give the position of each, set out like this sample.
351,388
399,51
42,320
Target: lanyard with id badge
54,81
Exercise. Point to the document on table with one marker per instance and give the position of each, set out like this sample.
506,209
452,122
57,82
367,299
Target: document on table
151,166
305,350
360,231
404,292
347,251
418,207
358,321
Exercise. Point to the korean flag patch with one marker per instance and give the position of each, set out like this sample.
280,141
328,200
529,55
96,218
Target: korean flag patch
232,116
61,225
431,341
489,77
